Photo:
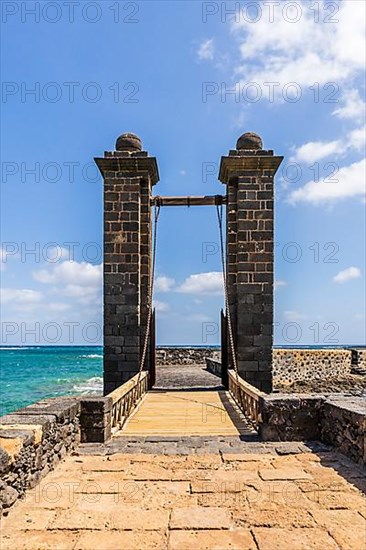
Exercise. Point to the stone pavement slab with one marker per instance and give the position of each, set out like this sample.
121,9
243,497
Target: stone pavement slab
255,499
186,376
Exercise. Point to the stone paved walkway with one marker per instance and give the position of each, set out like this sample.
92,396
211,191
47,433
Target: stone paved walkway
185,377
258,499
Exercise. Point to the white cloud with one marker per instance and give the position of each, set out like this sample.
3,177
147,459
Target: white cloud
183,173
20,296
80,273
161,306
163,284
83,294
353,107
27,301
314,151
294,316
357,138
203,283
279,283
206,50
317,150
348,182
347,275
334,52
80,281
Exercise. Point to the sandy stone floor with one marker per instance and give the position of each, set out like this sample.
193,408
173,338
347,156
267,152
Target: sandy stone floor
223,501
185,376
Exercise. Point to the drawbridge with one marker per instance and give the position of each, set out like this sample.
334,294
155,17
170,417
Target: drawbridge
245,214
186,413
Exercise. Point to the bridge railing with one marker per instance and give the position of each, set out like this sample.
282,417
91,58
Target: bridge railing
247,397
126,398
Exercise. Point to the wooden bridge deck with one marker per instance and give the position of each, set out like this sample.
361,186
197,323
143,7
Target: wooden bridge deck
186,413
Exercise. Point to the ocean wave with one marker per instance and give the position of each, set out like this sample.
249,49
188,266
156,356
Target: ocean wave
92,356
93,385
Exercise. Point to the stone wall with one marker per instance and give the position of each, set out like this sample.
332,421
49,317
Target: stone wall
185,356
290,417
359,361
289,365
340,422
214,366
32,441
344,427
293,365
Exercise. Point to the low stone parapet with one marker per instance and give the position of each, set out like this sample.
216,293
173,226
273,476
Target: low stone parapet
95,419
213,365
290,417
344,426
32,441
337,421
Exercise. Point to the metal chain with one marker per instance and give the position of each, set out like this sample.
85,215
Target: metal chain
150,291
227,306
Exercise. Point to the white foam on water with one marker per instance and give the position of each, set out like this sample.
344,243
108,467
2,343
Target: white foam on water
93,385
92,356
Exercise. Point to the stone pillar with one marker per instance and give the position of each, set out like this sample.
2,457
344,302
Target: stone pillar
249,173
129,174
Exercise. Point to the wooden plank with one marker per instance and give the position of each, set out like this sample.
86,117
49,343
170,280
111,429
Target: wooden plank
185,413
208,200
123,390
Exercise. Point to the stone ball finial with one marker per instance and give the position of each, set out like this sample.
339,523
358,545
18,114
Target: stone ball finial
250,141
128,142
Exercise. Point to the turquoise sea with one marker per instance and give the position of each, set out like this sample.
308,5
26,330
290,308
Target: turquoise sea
28,374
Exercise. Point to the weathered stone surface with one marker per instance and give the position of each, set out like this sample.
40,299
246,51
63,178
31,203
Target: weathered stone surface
114,540
250,141
228,540
344,426
283,474
33,442
185,356
337,421
290,417
248,173
188,376
200,518
8,496
129,175
289,539
36,540
112,511
128,142
4,460
296,365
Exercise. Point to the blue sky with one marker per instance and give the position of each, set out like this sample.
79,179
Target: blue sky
189,78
